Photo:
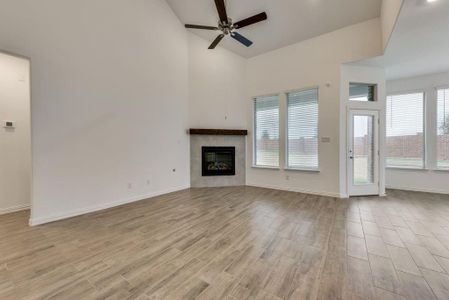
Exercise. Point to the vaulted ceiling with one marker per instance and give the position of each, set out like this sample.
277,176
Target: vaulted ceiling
289,21
419,44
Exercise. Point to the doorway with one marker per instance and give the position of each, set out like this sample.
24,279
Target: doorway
15,133
363,152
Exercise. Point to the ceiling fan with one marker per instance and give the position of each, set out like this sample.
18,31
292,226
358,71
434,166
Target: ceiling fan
226,25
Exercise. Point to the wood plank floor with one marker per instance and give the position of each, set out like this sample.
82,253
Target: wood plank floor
235,243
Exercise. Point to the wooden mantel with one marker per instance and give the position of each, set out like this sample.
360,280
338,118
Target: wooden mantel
218,131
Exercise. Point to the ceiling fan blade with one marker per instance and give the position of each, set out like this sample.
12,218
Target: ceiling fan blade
238,37
216,41
251,20
221,8
201,27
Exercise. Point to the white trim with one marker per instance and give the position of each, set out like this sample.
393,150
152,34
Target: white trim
374,187
265,167
415,189
297,190
404,168
30,140
441,87
406,92
266,95
313,87
313,170
4,211
82,211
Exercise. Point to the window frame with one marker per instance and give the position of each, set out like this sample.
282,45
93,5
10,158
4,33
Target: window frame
254,139
425,166
286,161
437,89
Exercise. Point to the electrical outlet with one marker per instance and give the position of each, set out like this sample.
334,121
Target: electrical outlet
130,186
174,170
148,182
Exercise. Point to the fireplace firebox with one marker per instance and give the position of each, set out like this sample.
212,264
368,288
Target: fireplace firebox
218,161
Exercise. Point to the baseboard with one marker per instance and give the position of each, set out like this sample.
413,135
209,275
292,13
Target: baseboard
4,211
78,212
297,190
415,189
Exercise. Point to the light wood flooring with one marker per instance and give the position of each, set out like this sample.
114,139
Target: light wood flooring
235,243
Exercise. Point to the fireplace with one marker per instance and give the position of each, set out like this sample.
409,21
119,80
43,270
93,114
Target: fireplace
218,161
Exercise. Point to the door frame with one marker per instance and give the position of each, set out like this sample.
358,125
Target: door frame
31,193
371,189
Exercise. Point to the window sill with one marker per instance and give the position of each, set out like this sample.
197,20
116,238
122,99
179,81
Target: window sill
302,170
440,170
408,169
265,167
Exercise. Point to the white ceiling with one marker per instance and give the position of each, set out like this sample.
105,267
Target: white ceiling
419,44
289,21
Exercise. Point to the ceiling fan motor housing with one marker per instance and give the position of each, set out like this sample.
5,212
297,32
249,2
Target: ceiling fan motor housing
227,28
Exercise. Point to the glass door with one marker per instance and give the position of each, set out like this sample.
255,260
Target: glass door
363,153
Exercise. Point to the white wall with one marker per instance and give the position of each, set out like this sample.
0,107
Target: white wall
389,14
361,74
217,86
422,180
15,144
309,63
109,100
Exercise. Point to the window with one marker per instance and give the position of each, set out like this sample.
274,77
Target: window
405,130
443,129
266,128
302,129
362,92
364,147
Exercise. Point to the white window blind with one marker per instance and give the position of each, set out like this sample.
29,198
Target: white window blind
302,129
405,130
266,127
443,129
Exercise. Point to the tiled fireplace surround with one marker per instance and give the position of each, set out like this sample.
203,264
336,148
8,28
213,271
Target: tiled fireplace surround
217,138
